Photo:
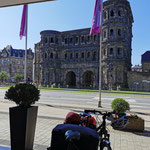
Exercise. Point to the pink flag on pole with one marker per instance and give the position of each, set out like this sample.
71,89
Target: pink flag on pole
96,18
23,28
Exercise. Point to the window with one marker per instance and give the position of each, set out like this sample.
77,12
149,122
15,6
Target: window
88,38
65,55
105,15
56,40
66,41
94,56
111,51
104,51
51,55
111,32
56,55
77,39
82,55
119,51
82,39
77,55
88,54
52,40
119,12
45,55
46,40
119,32
71,40
71,56
95,37
112,13
105,34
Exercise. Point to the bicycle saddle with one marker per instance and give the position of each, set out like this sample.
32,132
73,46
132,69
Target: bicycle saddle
71,136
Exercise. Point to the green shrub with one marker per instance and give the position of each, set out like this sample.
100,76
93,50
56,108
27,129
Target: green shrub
23,94
120,105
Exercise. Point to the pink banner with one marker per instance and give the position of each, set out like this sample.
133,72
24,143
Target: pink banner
96,18
23,28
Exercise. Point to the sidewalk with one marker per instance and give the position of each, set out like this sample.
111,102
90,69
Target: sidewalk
51,115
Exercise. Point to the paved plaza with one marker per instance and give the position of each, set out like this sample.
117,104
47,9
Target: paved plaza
51,115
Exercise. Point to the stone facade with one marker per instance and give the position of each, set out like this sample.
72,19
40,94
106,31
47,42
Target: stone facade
71,58
12,62
140,81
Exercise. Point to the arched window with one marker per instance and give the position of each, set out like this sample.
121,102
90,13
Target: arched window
119,51
56,40
119,32
111,51
105,15
77,55
105,51
52,40
51,55
112,13
119,12
82,55
82,39
104,33
88,38
111,32
71,40
45,55
71,56
56,55
65,55
95,36
88,54
66,41
94,56
77,39
46,40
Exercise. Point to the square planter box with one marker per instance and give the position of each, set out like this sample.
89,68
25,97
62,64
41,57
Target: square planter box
135,125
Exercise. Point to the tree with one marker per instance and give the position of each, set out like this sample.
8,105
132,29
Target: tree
3,76
19,77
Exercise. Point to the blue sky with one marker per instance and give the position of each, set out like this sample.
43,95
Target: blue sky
65,15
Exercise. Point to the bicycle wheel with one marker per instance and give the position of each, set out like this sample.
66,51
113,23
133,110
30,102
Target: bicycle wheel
105,145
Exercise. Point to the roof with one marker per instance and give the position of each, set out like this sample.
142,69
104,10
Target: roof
146,57
19,53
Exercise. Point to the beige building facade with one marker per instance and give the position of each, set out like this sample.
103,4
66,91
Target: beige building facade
12,62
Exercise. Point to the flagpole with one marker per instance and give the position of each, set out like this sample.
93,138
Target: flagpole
100,56
26,43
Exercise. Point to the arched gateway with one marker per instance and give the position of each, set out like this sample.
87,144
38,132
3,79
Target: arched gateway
88,79
71,79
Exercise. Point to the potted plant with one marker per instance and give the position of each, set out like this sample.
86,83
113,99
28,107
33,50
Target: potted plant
119,105
23,116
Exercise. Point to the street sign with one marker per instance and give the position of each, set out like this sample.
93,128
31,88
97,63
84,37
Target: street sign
6,3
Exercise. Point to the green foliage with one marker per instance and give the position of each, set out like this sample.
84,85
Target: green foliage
134,116
120,105
23,94
3,75
19,77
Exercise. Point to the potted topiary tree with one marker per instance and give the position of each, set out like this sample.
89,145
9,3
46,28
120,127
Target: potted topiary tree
23,116
119,105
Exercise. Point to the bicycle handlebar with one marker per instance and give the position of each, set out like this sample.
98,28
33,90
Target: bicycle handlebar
97,111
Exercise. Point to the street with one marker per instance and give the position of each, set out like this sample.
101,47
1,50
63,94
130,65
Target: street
54,105
91,99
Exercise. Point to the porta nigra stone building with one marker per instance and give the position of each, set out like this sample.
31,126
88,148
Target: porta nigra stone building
71,58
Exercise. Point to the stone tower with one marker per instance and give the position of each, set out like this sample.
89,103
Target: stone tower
116,43
71,58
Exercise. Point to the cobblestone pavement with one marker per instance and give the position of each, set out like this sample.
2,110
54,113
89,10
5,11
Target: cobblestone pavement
49,117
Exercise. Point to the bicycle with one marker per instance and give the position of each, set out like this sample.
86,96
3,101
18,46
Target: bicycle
73,132
104,142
